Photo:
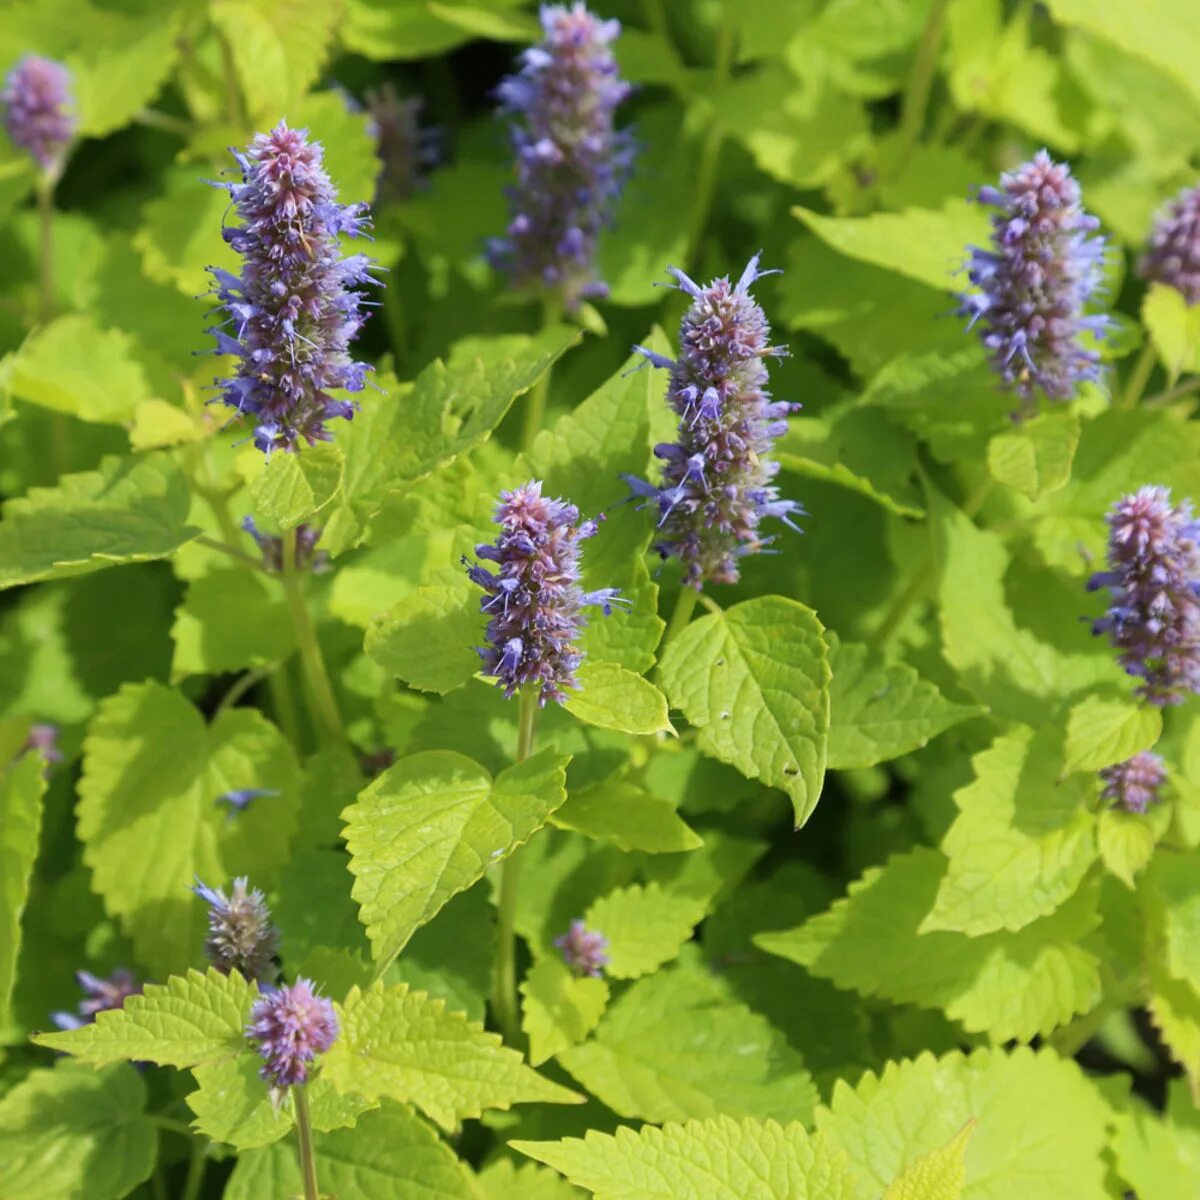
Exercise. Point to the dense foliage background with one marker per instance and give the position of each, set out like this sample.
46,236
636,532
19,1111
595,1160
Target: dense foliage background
872,930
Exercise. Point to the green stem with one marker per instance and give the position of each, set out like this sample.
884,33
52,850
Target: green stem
173,1126
1143,368
195,1175
504,979
45,207
920,83
245,559
283,702
304,1140
323,703
233,95
153,119
685,605
656,18
535,404
710,153
1072,1038
239,688
1175,393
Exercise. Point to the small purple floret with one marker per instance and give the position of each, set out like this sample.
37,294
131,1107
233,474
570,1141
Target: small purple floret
37,110
1153,576
100,995
292,314
271,547
240,799
290,1027
42,739
571,163
240,934
1173,255
1044,266
533,598
1133,785
584,951
716,479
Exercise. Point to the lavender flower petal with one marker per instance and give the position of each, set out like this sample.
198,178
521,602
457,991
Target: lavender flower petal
1173,255
100,995
37,110
1043,268
716,481
1134,784
583,950
290,1027
292,314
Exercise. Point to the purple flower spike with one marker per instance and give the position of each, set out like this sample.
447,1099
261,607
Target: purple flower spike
534,600
404,149
716,482
571,163
1133,785
1044,266
290,1027
100,995
292,314
1154,577
1173,255
37,110
240,933
584,951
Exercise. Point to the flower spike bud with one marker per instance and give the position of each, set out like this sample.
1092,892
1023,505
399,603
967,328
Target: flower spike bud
583,950
1173,255
100,995
290,1026
37,110
1134,784
240,933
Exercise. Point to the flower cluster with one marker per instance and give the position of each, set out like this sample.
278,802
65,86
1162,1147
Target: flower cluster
716,488
1173,255
404,149
292,314
571,162
1154,577
240,934
1044,266
100,995
290,1026
37,110
583,950
271,547
1133,784
42,739
534,600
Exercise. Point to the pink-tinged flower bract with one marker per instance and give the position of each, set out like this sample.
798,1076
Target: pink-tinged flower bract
533,598
584,951
1154,577
716,483
1134,784
37,110
571,162
100,995
240,934
1044,266
292,313
290,1026
1173,255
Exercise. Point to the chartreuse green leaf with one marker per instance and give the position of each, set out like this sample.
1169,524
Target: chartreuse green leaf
645,925
559,1008
1170,41
1126,840
405,434
428,638
191,1020
880,711
1038,1120
717,1159
628,816
1174,328
390,1155
611,697
502,1179
71,1131
230,619
939,1175
1174,1008
672,1049
1159,1155
1035,457
430,826
278,48
1102,730
233,1105
22,786
150,820
127,510
73,366
1022,841
1008,985
927,245
1175,882
292,488
404,1045
754,680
